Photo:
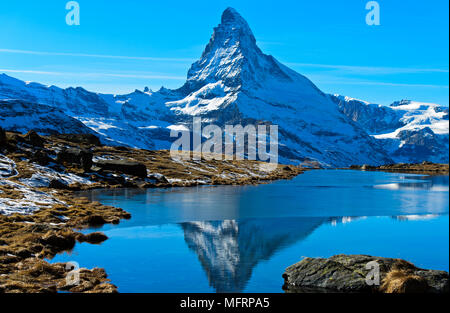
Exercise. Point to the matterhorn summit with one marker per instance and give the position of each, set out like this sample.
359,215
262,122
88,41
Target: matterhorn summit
231,55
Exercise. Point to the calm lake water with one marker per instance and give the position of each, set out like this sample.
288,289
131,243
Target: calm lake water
241,238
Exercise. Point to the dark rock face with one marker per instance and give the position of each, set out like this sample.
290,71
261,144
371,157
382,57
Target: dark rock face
57,184
80,157
347,273
422,145
33,139
2,137
87,139
41,157
373,118
416,142
14,138
123,166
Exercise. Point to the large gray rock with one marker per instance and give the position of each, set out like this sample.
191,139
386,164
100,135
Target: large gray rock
347,273
123,166
79,157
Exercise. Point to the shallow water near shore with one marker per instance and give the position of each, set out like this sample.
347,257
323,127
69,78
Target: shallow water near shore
241,238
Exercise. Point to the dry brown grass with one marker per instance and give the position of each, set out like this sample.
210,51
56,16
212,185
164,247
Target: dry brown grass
401,281
25,240
425,168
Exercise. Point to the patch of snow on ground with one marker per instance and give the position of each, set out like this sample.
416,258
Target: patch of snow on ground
44,175
7,167
31,200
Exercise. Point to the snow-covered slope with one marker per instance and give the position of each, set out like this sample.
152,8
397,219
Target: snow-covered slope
19,115
233,82
410,131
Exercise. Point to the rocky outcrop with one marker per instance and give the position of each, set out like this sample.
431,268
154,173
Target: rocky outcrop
41,157
348,273
32,138
86,139
421,144
80,157
2,137
374,118
123,166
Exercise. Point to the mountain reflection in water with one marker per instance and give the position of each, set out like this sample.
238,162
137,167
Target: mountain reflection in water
229,250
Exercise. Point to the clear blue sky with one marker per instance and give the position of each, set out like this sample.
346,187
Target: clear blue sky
125,45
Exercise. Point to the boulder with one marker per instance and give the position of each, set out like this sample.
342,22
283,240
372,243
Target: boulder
87,139
41,157
158,178
57,184
347,273
77,156
32,138
14,138
2,137
123,166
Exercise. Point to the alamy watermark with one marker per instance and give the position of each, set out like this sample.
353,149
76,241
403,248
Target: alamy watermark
373,277
73,16
73,276
373,16
232,142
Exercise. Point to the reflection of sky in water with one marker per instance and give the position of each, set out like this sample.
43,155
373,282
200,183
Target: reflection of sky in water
242,238
414,182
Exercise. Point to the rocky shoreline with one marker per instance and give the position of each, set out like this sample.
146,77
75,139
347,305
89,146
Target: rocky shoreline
40,215
424,168
348,273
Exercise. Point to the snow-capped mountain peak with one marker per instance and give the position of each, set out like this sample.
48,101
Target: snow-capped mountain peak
233,57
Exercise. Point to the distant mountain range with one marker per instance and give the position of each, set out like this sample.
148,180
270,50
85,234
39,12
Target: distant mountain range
409,131
235,82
